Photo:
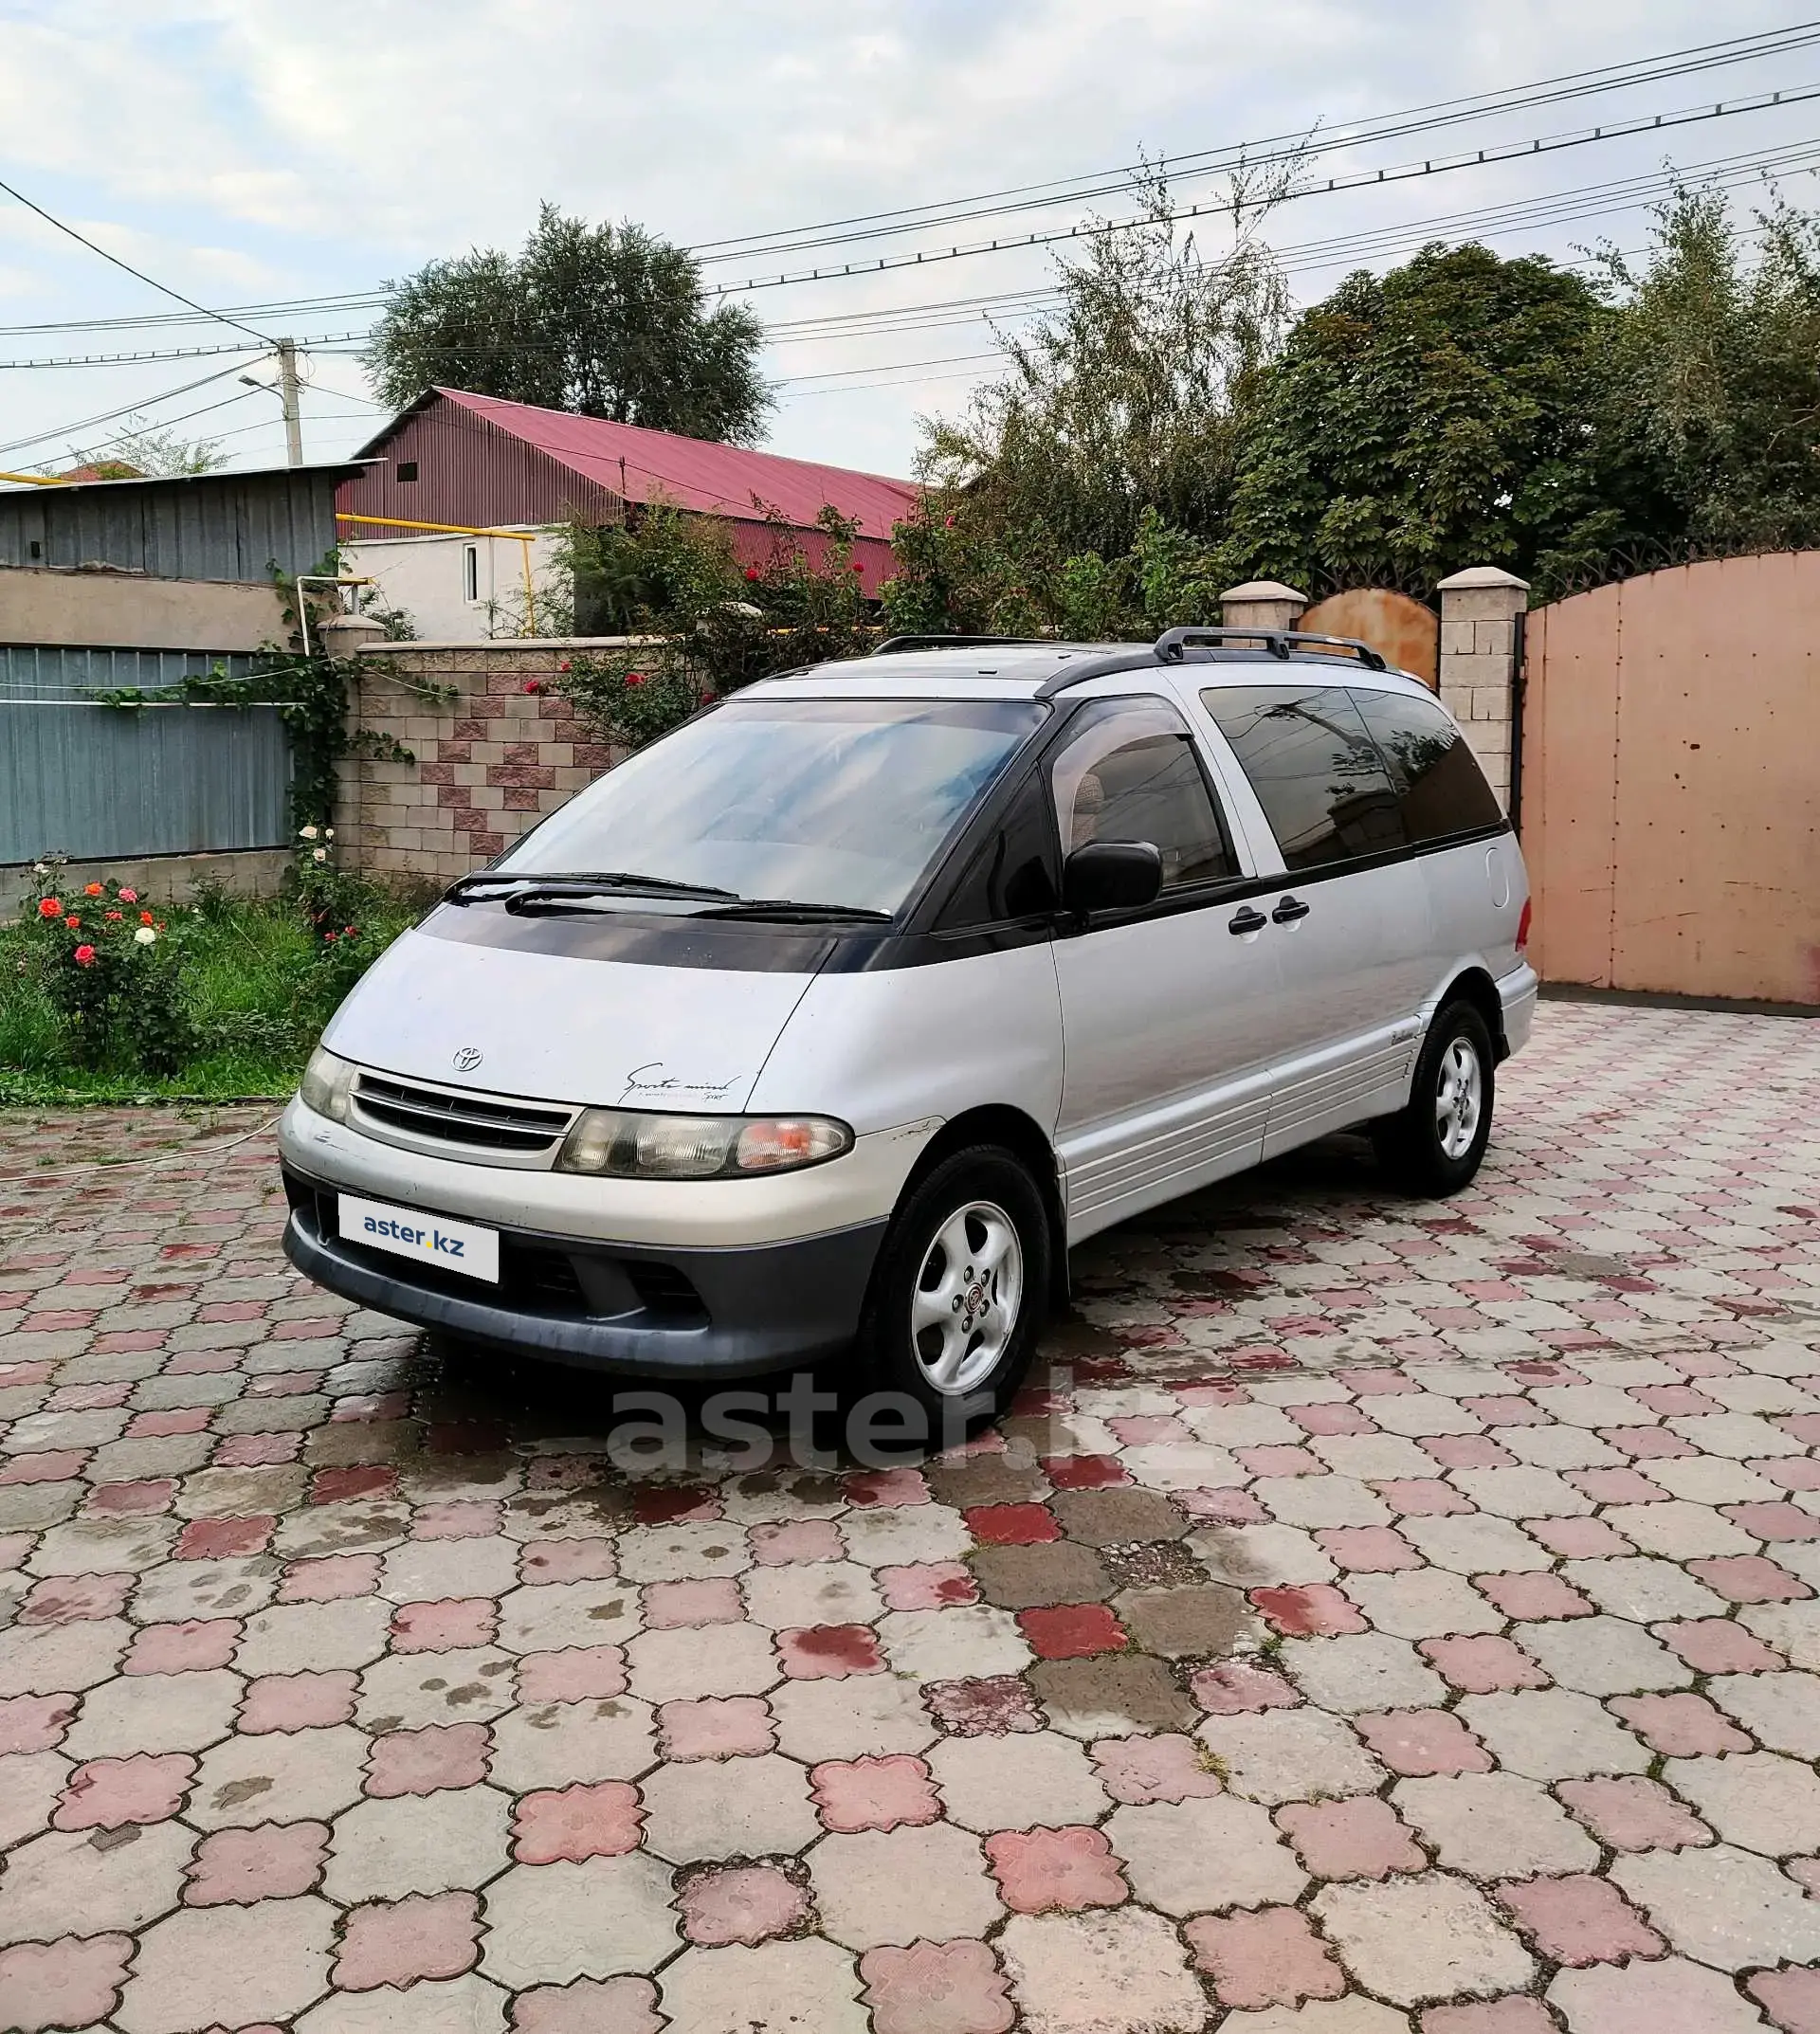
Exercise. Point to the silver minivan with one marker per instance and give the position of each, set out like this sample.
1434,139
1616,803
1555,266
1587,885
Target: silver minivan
829,1022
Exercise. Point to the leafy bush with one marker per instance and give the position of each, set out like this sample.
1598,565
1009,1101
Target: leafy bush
709,622
109,973
238,994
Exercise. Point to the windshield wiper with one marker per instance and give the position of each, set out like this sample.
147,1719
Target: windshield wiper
790,908
579,884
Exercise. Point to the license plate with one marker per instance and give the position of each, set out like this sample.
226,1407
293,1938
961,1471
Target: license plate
433,1239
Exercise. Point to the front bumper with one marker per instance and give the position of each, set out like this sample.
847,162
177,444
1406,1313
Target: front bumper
675,1311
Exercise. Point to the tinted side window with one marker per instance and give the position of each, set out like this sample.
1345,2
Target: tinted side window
1438,780
1011,876
1127,773
1317,772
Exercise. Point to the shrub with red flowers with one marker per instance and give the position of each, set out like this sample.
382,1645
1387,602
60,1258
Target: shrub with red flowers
708,620
110,972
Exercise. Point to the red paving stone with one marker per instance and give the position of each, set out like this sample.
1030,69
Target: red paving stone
1272,1958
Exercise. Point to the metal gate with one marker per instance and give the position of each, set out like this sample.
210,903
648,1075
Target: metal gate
1671,796
91,782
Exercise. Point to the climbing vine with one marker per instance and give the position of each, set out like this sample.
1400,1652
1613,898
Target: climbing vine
310,692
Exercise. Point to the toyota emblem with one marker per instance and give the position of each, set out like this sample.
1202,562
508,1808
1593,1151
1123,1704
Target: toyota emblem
467,1059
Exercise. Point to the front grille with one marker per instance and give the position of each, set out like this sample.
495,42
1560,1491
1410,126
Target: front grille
484,1123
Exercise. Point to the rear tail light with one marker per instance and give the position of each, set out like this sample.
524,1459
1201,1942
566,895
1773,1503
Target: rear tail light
1523,926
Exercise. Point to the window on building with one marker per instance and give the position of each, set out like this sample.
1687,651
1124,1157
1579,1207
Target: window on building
1438,780
1317,772
470,573
1127,773
406,469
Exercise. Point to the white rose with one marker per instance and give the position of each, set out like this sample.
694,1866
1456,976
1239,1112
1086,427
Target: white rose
318,854
308,833
144,936
328,834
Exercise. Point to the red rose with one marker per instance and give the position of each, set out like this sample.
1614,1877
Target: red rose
752,572
856,567
329,937
947,522
634,677
49,908
145,917
129,897
93,889
533,684
113,917
565,666
350,932
72,921
84,956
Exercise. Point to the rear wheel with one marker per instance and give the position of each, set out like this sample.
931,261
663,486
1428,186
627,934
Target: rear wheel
958,1296
1435,1145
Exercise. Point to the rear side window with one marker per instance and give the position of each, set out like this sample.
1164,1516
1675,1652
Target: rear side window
1126,772
1316,772
1438,784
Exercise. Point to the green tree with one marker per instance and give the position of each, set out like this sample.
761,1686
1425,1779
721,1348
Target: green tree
1439,416
1075,492
1712,372
605,320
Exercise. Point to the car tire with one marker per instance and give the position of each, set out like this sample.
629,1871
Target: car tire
1433,1146
958,1296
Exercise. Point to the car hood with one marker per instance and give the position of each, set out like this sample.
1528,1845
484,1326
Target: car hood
559,1029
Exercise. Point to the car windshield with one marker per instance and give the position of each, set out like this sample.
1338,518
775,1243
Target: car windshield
832,802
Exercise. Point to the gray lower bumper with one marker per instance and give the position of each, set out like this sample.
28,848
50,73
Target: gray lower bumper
681,1313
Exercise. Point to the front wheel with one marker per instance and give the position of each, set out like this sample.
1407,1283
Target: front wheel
957,1295
1434,1145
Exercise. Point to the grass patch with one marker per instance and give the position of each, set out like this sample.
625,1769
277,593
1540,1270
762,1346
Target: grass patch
254,989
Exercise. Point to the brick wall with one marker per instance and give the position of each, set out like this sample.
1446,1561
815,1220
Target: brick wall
486,766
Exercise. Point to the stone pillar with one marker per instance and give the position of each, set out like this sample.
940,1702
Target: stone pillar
1262,604
1481,613
346,635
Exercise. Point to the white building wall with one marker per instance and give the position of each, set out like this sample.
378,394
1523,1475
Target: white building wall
462,588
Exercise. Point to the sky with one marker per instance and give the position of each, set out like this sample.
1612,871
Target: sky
241,154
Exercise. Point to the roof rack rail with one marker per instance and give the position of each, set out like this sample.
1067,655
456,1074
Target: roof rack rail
1171,646
896,646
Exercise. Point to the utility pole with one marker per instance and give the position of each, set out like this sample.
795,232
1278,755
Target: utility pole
287,389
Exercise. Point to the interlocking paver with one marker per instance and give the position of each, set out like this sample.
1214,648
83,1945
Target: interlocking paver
1494,1825
327,1647
1668,1997
1411,1940
1722,1906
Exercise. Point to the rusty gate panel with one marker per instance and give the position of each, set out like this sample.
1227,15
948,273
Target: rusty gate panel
1401,630
1672,803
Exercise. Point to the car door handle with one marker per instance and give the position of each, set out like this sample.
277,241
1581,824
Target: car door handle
1289,910
1246,921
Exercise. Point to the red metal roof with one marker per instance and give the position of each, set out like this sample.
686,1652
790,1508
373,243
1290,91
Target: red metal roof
716,479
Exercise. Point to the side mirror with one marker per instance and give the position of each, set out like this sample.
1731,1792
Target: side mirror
1111,876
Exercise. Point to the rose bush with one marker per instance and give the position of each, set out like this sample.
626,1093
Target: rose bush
105,966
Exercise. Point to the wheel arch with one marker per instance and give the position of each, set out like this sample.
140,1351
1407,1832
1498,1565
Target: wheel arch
1475,986
1024,1136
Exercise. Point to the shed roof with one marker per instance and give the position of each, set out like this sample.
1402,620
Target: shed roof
716,480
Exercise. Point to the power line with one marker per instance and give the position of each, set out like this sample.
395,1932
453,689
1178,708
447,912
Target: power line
164,289
1543,144
109,416
1273,149
1571,85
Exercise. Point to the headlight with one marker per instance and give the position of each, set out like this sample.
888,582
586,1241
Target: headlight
327,1084
625,1144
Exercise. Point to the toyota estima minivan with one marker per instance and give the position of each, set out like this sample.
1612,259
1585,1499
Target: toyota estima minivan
831,1021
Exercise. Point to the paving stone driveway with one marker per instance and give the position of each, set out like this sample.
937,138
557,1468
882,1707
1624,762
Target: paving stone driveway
1383,1616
